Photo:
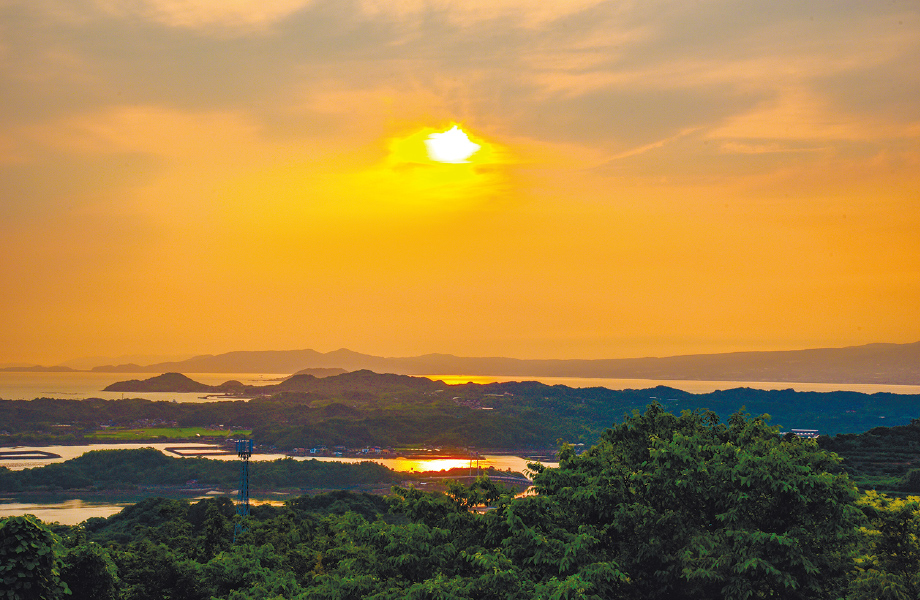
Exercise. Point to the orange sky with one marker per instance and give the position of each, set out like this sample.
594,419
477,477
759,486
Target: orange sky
654,178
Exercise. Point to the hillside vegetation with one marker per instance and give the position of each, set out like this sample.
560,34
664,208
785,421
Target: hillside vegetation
368,409
120,469
663,507
883,458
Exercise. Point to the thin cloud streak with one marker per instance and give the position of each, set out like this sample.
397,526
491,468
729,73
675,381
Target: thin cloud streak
690,177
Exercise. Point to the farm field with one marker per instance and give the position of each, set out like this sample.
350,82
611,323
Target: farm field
146,433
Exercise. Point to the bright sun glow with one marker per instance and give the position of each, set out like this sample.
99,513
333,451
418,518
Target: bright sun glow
451,146
437,464
461,379
440,169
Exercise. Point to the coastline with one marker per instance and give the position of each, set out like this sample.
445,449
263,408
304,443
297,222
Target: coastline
204,443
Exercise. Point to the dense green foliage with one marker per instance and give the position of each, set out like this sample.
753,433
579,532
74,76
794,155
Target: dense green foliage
690,508
90,572
883,458
664,506
363,408
112,469
29,560
889,568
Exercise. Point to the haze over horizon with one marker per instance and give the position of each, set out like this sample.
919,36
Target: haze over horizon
634,179
818,357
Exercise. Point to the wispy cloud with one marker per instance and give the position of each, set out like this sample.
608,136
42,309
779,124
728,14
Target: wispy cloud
653,145
237,16
656,145
765,148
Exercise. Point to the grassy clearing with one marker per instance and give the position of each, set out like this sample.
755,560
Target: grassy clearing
146,433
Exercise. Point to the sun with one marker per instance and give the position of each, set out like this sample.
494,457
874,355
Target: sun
446,150
451,146
435,169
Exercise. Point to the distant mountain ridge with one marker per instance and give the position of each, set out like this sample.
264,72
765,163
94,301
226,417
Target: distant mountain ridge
37,369
869,364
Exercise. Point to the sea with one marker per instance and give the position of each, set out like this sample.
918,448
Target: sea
70,509
82,385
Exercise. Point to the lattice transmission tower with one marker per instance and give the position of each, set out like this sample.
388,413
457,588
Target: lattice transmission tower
244,451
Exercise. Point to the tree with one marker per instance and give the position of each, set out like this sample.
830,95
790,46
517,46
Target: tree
90,573
154,572
911,481
889,565
687,507
216,531
29,560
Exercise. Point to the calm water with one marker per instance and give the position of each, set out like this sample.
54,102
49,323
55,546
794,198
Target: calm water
693,387
68,452
27,386
501,462
71,511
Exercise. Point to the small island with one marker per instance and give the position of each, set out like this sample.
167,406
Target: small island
173,382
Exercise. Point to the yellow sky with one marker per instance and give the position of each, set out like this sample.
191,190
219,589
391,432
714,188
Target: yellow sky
653,178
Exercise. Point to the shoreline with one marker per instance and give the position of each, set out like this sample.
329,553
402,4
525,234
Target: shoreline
415,454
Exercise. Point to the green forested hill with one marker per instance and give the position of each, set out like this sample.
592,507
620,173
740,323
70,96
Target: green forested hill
118,469
364,408
883,458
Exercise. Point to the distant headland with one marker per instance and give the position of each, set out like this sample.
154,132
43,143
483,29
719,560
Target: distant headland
896,364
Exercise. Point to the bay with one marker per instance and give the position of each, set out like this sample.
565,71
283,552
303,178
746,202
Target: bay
81,385
69,509
691,386
73,451
418,462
